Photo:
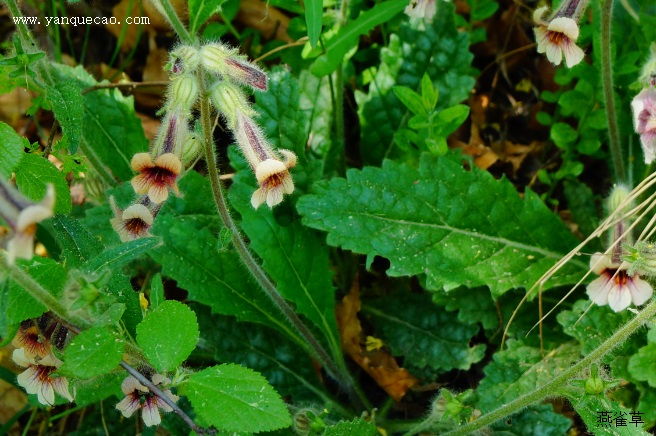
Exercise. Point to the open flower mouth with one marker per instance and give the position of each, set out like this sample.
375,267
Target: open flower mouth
156,177
615,287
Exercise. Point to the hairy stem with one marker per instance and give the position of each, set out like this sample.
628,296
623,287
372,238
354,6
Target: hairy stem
177,25
553,388
609,95
269,288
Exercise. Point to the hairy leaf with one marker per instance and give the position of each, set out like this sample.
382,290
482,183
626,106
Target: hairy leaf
118,256
358,427
601,416
11,149
457,227
200,11
438,50
168,334
35,173
92,353
235,398
67,104
539,419
426,335
519,370
641,365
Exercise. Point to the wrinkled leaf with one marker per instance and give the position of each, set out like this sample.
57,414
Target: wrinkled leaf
35,173
92,353
11,149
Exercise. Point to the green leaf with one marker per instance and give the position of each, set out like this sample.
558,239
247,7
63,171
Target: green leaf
156,291
76,243
98,388
592,408
437,49
315,102
168,335
347,37
429,94
452,118
519,370
200,11
111,131
92,353
457,227
411,100
188,226
295,257
438,340
66,100
313,17
20,304
234,398
641,365
483,9
11,149
358,427
120,255
581,203
563,135
539,419
33,175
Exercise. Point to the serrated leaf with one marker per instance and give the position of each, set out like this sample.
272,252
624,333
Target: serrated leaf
200,11
168,335
589,407
190,256
20,304
358,427
111,131
437,49
425,335
235,398
457,227
539,419
581,203
347,37
32,177
313,20
67,104
11,149
519,370
294,256
76,243
641,365
93,352
117,256
98,388
315,102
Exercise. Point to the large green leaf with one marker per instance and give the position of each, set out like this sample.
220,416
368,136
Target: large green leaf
235,398
35,173
192,255
600,416
456,227
437,49
347,37
425,334
313,17
11,149
538,419
93,352
315,102
519,370
167,335
67,104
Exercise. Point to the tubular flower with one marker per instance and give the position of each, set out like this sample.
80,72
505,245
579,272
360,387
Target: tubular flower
271,170
644,121
557,36
22,216
134,222
37,378
135,392
614,286
223,60
421,9
156,177
29,339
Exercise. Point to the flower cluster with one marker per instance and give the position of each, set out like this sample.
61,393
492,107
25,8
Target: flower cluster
22,215
176,147
138,396
619,283
644,108
34,353
557,35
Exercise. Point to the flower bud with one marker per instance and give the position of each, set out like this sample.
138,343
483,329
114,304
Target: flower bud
184,59
618,198
191,148
648,74
229,99
183,92
641,257
219,59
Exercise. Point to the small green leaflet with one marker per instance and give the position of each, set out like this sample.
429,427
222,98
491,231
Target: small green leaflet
33,175
454,226
168,335
92,353
234,398
11,149
200,11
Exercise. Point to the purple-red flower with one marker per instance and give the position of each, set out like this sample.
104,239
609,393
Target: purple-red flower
644,121
156,177
138,396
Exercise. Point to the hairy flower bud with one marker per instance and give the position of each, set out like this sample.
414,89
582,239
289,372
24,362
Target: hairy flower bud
618,199
220,59
184,59
183,92
191,148
229,99
648,74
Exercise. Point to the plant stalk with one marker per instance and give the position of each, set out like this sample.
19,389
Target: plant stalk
609,95
175,22
552,388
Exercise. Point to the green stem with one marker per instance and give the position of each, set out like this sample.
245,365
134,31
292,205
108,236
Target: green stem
342,377
177,25
552,388
609,96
